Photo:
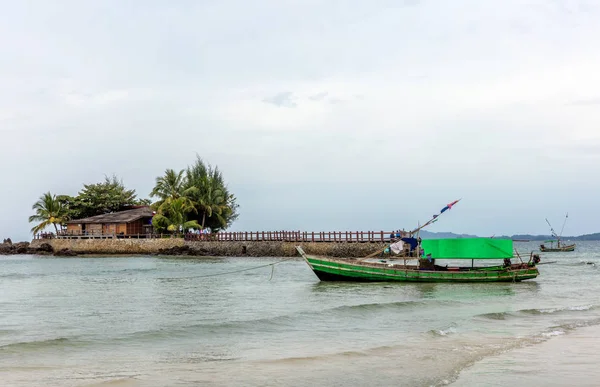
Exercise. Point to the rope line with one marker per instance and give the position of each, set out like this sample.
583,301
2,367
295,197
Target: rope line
247,269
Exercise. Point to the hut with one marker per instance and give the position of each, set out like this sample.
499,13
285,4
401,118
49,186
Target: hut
137,221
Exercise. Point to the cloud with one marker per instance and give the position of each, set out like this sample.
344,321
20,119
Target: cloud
283,99
440,99
319,96
586,102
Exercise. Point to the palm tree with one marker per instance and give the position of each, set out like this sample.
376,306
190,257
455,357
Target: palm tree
211,202
168,187
173,218
48,211
206,188
203,189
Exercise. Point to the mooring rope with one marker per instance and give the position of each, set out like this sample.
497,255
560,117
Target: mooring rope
272,264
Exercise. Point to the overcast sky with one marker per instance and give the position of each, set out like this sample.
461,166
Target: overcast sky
323,115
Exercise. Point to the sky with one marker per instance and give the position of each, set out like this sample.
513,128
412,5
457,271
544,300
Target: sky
323,115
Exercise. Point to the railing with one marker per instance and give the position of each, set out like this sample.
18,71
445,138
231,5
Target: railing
247,236
98,235
295,236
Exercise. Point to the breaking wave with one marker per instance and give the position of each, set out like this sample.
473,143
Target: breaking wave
536,312
39,344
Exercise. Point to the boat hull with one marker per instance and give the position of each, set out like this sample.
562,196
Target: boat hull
327,269
557,250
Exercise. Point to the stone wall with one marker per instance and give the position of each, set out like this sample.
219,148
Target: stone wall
282,249
176,246
111,246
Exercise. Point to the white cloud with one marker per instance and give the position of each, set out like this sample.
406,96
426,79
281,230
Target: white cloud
415,102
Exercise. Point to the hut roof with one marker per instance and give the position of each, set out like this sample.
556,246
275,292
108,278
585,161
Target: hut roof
126,216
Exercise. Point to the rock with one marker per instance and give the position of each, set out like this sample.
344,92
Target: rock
7,241
6,249
176,250
46,248
65,253
43,249
21,248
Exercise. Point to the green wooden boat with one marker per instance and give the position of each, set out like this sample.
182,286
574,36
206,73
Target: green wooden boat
419,264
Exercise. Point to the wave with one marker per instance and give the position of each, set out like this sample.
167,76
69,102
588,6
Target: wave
377,306
443,332
22,276
576,308
495,315
536,312
343,354
581,263
276,323
40,344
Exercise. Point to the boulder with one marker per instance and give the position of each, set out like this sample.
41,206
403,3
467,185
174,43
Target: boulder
177,250
45,248
21,248
65,253
6,249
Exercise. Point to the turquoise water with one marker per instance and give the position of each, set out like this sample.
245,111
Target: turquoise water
159,321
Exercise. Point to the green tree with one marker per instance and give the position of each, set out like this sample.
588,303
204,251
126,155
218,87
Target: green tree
48,211
168,187
203,193
174,218
111,195
205,186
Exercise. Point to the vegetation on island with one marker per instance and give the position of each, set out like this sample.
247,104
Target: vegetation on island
105,197
194,198
49,211
191,199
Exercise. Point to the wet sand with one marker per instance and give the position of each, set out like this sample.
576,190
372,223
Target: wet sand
570,359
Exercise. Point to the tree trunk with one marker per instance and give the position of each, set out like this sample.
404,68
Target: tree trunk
203,219
55,228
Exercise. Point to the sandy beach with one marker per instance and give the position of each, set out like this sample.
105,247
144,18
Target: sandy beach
567,359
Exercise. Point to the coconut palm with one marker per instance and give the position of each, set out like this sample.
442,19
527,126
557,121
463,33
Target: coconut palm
168,187
206,188
48,211
174,219
211,203
204,191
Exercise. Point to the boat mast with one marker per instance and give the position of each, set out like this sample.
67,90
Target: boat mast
565,222
554,233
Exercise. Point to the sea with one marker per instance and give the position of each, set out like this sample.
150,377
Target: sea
174,321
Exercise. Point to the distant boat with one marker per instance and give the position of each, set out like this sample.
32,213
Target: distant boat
559,246
392,265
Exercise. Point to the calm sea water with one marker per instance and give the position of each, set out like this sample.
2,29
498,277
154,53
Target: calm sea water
151,321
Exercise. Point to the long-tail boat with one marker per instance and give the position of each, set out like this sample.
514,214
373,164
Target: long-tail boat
414,260
559,246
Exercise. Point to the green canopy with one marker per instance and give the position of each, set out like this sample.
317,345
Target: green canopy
468,248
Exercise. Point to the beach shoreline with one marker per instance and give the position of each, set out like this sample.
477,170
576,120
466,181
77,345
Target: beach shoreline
566,358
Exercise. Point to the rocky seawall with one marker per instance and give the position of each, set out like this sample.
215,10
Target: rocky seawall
177,246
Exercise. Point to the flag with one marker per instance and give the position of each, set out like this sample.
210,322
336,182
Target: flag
449,206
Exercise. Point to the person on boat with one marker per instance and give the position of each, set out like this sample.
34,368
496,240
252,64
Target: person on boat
507,262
